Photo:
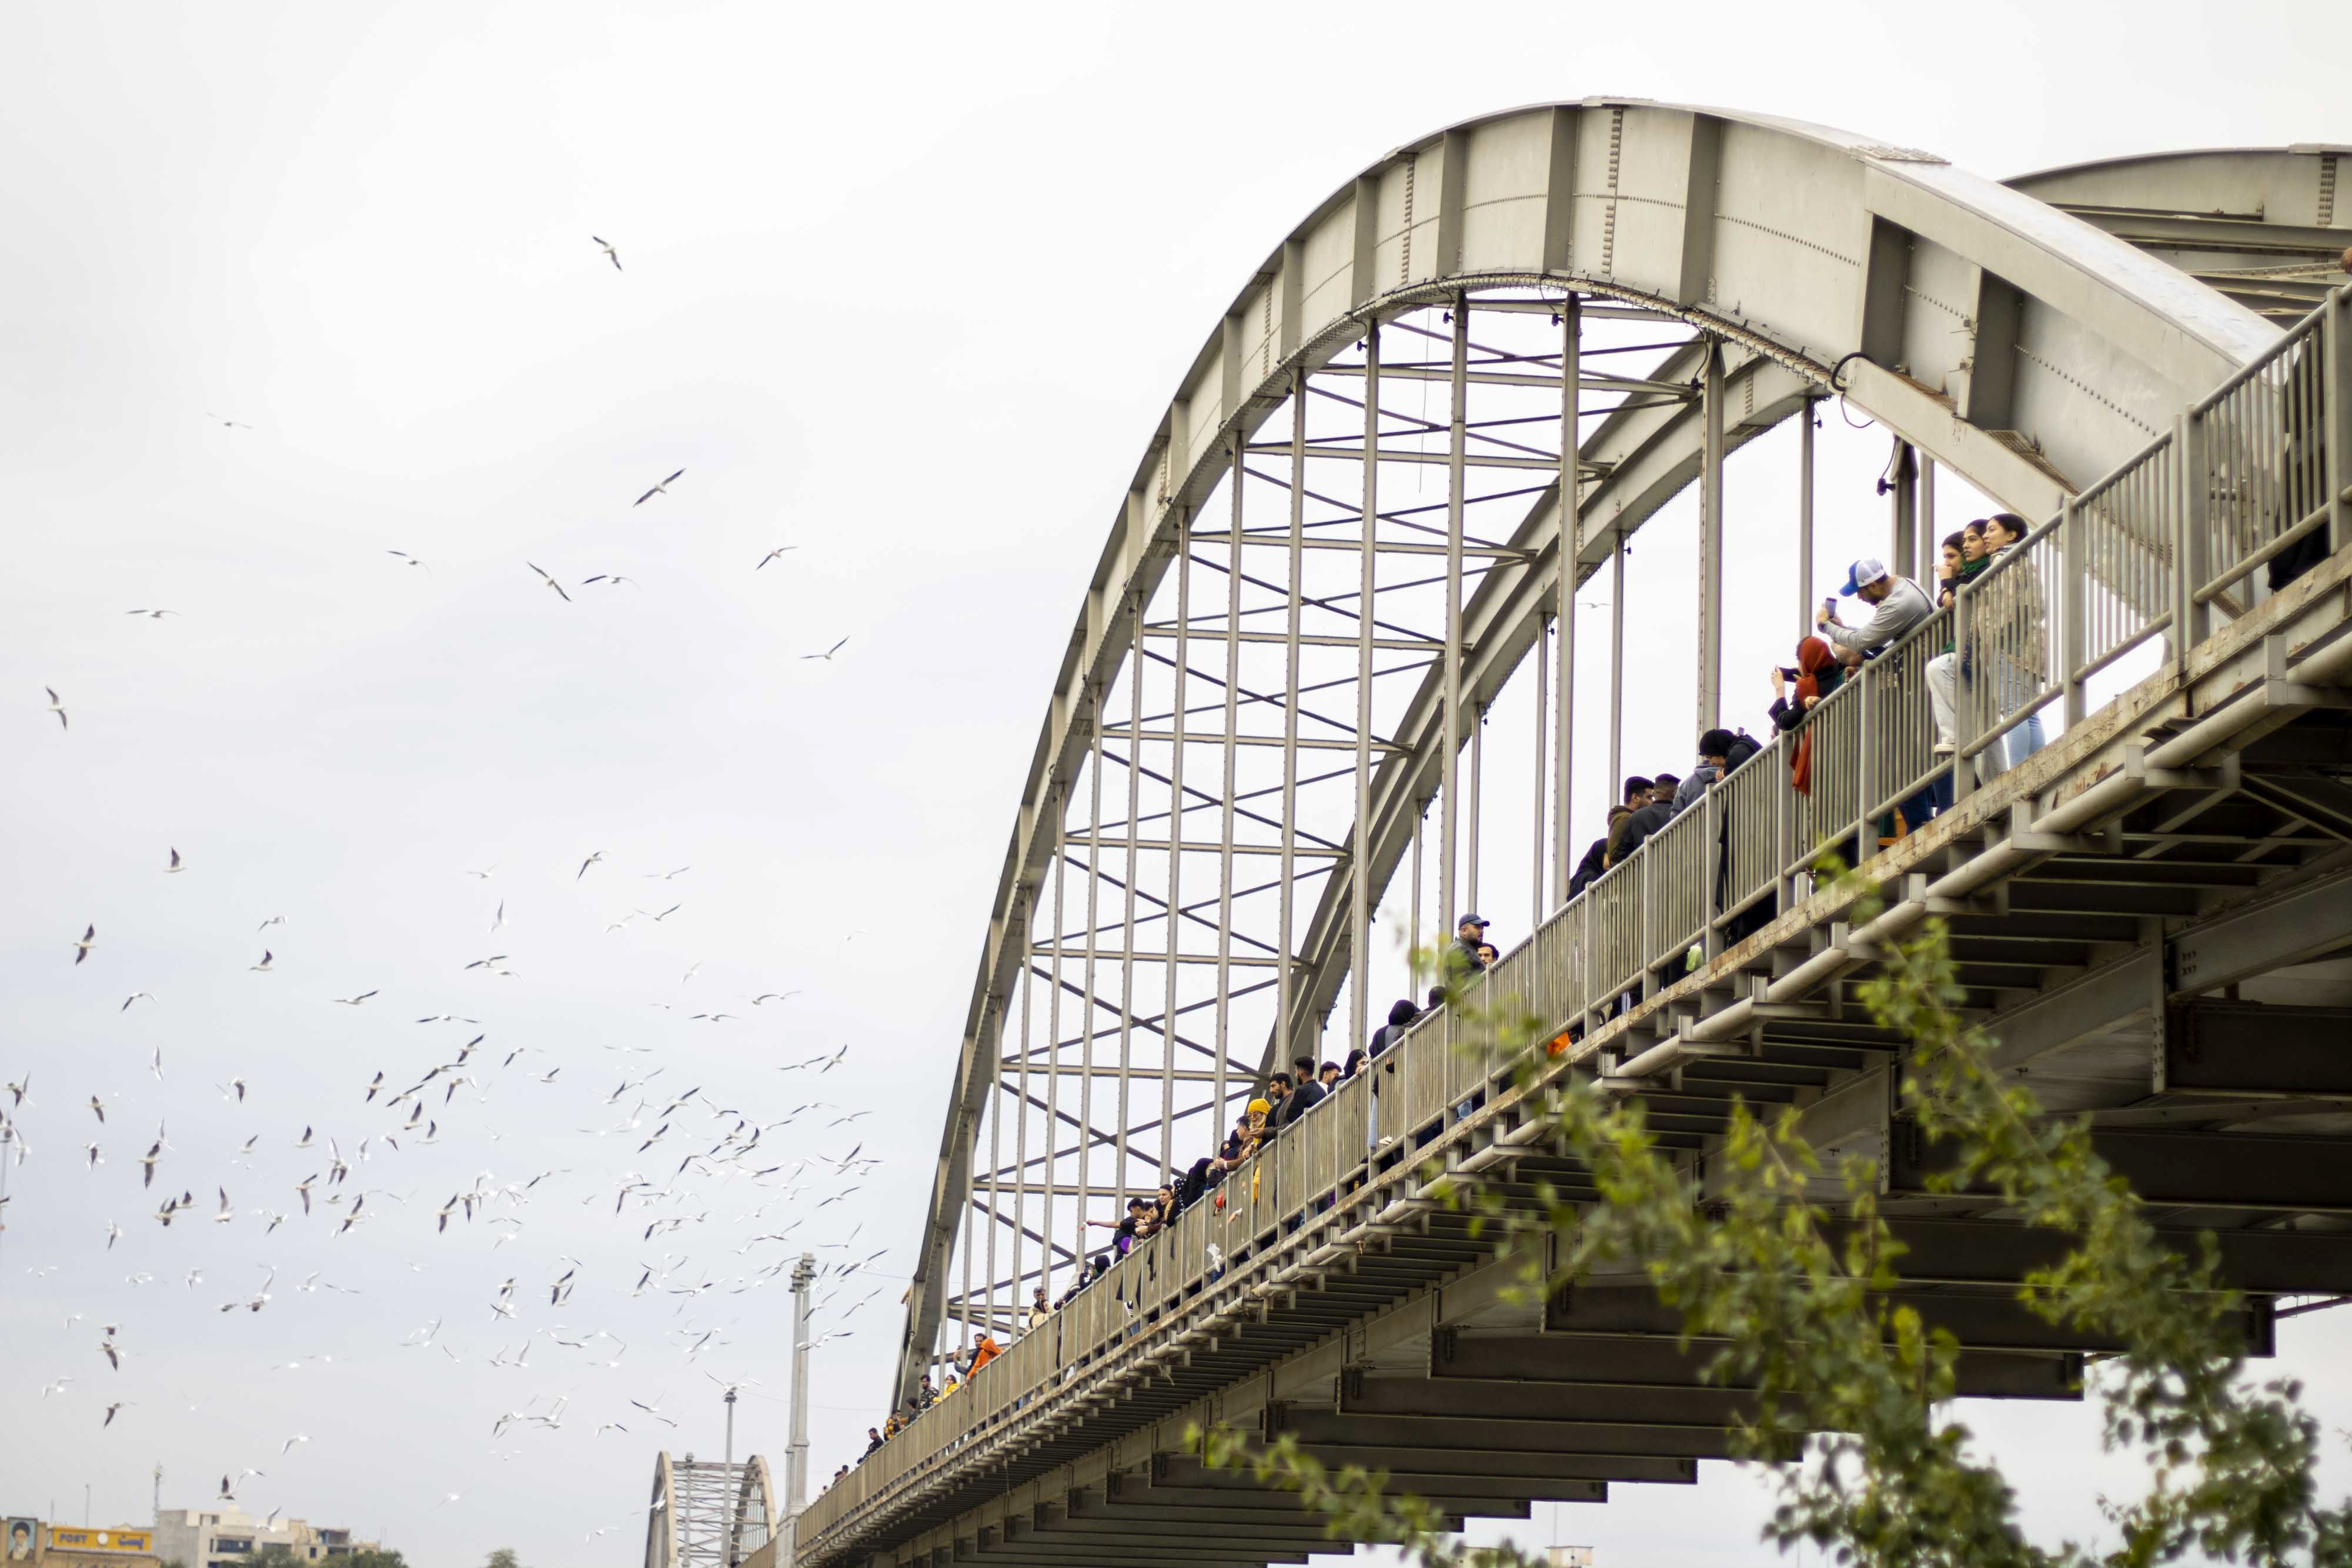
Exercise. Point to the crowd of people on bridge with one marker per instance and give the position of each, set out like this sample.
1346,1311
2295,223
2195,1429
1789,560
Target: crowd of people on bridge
2006,658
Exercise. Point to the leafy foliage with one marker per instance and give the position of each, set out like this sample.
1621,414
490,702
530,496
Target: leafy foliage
1795,1306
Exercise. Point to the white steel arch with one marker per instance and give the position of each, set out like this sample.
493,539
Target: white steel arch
1361,475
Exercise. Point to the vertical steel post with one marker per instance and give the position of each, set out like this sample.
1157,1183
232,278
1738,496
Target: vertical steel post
1060,806
1021,1140
1710,540
1134,855
1284,1027
1413,894
1538,860
1616,663
1456,453
1472,797
1232,749
996,1165
1865,838
1570,546
1929,557
2076,599
1360,893
2335,395
1903,515
1805,518
2188,534
1093,697
1168,1013
1964,701
963,1300
796,1449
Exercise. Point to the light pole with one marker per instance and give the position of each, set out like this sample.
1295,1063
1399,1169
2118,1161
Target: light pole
797,1451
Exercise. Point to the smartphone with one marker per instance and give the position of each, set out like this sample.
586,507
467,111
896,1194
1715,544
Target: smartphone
1789,675
1829,608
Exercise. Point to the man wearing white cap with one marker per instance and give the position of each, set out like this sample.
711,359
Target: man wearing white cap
1900,606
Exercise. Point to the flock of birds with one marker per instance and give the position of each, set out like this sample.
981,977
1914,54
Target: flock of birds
723,1143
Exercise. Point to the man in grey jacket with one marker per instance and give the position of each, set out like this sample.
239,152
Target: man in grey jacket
1898,604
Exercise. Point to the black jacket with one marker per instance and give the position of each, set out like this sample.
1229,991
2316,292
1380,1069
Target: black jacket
1588,867
1301,1099
1640,826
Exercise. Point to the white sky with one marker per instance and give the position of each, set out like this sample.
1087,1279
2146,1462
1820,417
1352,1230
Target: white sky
906,288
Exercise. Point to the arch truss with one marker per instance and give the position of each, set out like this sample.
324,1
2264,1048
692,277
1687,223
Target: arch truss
708,1513
1267,739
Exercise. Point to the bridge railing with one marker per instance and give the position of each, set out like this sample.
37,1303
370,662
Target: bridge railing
2144,556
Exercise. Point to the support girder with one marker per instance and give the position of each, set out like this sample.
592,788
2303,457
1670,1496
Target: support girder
1479,1434
2187,1169
1458,1481
1990,1320
1658,1362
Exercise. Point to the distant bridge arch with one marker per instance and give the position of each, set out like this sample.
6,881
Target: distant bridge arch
706,1513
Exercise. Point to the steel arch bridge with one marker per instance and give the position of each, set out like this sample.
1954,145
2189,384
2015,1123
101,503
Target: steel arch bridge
706,1513
1469,377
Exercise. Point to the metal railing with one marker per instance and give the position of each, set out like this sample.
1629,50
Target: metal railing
2145,553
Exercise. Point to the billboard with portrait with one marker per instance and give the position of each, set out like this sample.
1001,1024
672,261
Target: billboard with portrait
22,1539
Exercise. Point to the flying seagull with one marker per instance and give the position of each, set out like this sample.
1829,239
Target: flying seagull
151,614
354,1001
57,707
82,947
263,965
774,554
408,558
829,653
137,996
660,489
551,582
611,255
226,423
614,580
175,865
591,860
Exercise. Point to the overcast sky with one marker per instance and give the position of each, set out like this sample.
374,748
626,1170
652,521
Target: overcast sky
903,288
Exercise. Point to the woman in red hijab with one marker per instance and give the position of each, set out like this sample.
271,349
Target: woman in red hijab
1817,674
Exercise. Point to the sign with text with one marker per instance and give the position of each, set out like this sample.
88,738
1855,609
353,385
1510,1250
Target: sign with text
70,1538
